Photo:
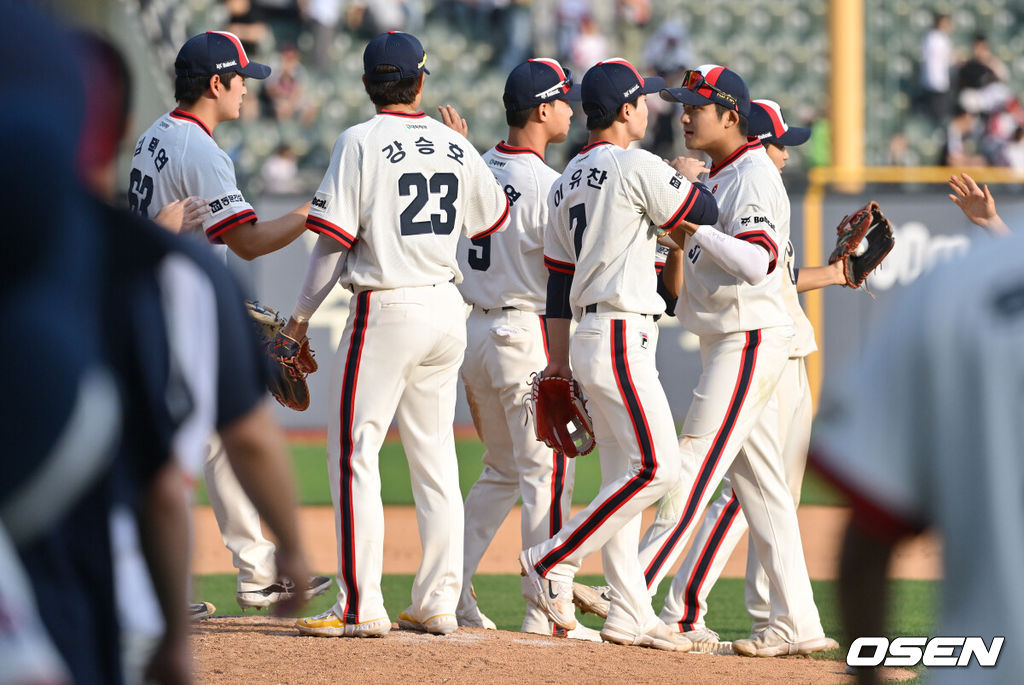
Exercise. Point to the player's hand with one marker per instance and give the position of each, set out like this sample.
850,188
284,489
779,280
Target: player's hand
559,369
450,117
182,215
976,203
667,241
291,564
689,167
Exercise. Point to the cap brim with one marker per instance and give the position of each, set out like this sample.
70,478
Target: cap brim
795,135
653,84
685,96
574,93
255,70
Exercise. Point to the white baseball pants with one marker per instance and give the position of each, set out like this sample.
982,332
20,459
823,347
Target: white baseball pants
503,348
736,393
239,522
724,523
612,357
399,358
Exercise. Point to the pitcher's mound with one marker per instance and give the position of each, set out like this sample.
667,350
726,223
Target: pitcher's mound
258,649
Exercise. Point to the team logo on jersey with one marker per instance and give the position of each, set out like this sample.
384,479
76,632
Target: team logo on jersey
676,181
320,201
415,126
713,190
497,162
216,206
164,125
644,341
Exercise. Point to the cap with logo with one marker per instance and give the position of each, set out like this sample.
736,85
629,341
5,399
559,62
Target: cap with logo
766,122
612,83
711,84
536,81
216,52
394,48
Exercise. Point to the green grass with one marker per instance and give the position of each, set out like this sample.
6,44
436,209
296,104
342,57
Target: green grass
912,603
310,464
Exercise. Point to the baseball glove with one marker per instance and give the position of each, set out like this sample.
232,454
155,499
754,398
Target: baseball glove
290,360
863,240
560,415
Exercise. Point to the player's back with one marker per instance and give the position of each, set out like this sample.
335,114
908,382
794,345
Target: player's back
753,206
507,269
399,190
599,213
177,157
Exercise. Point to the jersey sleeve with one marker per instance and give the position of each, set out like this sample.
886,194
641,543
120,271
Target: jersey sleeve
212,177
486,206
559,256
753,221
874,429
334,211
665,194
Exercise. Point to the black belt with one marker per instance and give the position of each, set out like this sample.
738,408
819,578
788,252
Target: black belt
494,309
592,309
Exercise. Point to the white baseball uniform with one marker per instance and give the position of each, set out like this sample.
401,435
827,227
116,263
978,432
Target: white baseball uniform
724,523
606,209
398,192
175,158
745,339
505,280
925,431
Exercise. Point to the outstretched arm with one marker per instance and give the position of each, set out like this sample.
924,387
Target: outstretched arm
257,238
815,277
977,204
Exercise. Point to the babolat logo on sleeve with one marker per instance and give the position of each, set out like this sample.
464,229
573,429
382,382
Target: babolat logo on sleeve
764,220
320,201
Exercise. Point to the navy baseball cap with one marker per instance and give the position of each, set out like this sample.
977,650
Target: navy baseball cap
612,83
711,84
766,123
536,81
397,49
216,52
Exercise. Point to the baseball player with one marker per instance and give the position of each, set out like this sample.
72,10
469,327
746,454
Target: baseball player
924,431
724,522
177,158
504,279
607,210
399,191
732,299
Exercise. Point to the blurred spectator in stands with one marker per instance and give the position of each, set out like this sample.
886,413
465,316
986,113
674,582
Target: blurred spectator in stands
374,18
937,60
246,22
668,51
568,19
963,141
285,94
283,18
280,173
668,54
1012,154
590,45
899,153
323,16
982,80
511,24
633,22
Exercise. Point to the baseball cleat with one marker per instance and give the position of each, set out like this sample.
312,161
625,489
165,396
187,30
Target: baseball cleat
474,618
582,632
441,624
768,643
592,599
552,597
200,610
282,589
658,637
706,641
329,624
